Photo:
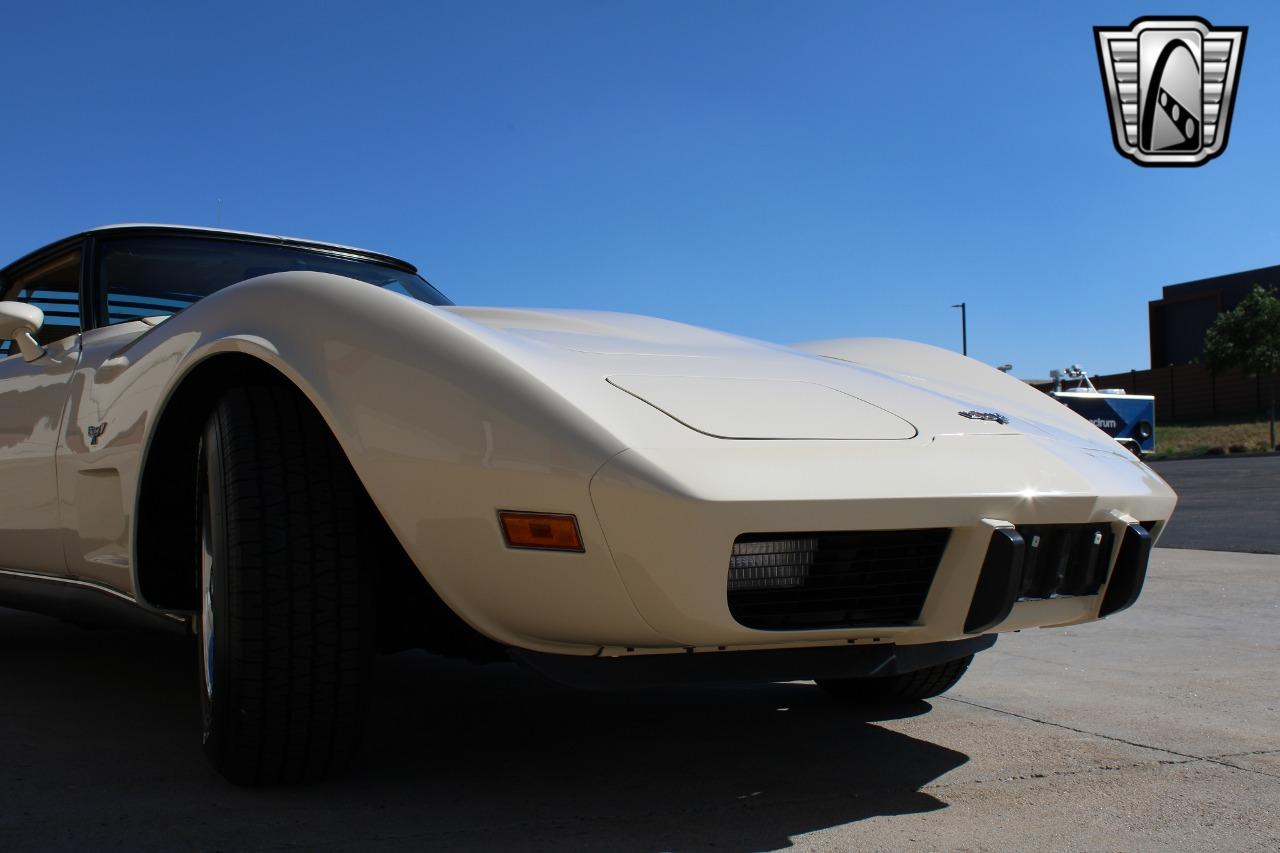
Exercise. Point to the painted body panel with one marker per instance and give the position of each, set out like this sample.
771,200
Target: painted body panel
32,398
450,414
702,500
98,479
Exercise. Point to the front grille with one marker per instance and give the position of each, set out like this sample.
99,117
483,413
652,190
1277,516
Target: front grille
1064,559
797,581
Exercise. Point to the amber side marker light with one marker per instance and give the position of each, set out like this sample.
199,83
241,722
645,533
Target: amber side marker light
545,531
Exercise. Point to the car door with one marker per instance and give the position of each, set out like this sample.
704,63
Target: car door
112,399
33,397
100,457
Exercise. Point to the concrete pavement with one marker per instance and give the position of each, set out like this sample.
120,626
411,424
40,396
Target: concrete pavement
1224,503
1158,728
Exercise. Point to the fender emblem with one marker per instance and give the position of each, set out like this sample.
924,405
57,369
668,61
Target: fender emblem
984,416
95,433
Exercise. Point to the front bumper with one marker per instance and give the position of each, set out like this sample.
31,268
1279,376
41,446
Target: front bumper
670,517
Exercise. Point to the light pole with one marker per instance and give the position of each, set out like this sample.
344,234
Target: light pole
964,328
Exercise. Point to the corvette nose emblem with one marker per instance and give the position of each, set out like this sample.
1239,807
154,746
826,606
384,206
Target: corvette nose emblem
95,433
984,416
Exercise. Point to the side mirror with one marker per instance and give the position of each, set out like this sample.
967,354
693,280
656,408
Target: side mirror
18,323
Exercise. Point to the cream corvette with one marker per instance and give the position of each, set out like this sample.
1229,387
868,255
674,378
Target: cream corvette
304,453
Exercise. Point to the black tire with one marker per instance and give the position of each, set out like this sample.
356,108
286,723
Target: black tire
898,689
284,672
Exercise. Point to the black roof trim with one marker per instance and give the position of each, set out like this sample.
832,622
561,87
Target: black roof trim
67,243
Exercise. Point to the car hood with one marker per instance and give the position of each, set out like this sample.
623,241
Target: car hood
734,387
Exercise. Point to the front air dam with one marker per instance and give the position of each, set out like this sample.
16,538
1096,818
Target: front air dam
764,665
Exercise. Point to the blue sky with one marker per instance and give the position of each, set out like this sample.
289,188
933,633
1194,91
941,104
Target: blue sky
787,171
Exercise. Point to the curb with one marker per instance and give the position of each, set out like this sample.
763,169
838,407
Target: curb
1251,455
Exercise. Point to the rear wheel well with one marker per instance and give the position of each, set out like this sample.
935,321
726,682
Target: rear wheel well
410,614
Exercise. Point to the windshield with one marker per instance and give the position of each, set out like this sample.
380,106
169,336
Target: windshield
145,276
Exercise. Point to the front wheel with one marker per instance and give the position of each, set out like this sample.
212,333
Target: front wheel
898,689
285,618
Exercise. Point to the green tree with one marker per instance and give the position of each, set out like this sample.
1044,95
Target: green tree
1248,336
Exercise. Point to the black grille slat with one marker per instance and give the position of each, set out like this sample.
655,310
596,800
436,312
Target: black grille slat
830,603
833,595
818,605
890,574
850,589
838,580
1064,559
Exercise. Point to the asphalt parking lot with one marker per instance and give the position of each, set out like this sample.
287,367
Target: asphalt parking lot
1157,728
1225,503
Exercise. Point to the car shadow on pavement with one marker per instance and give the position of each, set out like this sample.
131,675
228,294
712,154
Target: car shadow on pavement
99,747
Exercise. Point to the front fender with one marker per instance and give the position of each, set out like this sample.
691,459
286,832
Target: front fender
442,428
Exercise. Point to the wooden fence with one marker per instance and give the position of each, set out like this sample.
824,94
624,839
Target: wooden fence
1189,392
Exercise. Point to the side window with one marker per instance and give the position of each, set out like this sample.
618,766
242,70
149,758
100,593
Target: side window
147,277
54,288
